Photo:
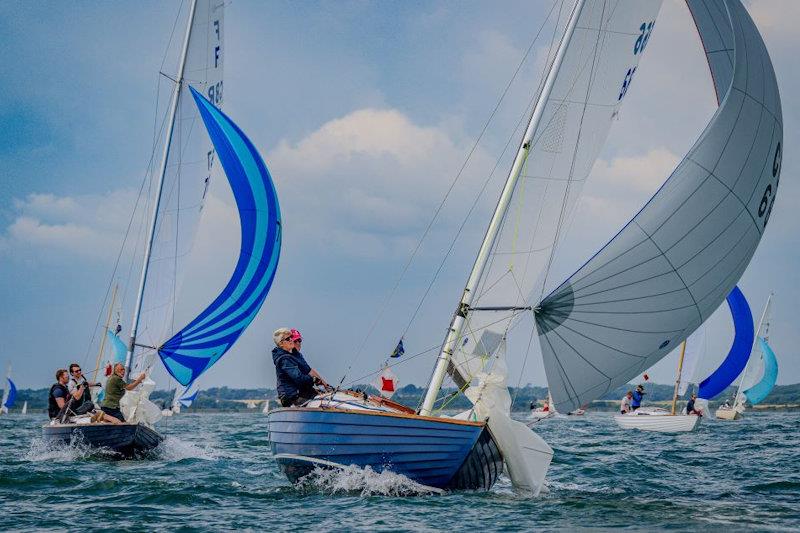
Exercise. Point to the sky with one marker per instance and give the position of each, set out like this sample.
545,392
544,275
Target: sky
364,113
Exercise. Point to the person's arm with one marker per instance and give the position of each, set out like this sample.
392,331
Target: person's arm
293,371
59,400
135,383
315,374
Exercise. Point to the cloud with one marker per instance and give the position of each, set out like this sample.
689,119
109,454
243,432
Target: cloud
89,226
368,182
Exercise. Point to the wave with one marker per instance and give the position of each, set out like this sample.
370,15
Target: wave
364,481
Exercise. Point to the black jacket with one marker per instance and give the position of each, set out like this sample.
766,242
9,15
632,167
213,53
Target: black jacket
292,371
53,410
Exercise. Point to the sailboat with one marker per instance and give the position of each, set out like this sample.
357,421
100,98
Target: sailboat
766,367
9,393
24,410
670,421
190,154
626,308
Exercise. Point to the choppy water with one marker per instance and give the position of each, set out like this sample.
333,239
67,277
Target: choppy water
215,472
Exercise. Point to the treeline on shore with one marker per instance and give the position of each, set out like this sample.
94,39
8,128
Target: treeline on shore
225,398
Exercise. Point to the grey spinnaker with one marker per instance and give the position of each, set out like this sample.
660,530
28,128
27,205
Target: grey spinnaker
675,262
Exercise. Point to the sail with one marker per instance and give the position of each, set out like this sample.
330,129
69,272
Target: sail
671,266
191,164
186,400
736,360
597,70
24,408
193,349
694,351
761,390
118,348
10,395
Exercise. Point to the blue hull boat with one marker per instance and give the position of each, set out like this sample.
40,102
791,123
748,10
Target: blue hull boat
437,452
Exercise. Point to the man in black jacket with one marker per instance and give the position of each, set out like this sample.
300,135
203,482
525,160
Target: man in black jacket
295,377
59,394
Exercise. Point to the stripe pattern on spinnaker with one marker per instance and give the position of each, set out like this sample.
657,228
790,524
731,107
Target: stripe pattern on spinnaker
200,344
675,262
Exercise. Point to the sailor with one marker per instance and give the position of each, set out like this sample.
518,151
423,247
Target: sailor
115,389
79,389
295,377
57,398
625,404
690,408
636,397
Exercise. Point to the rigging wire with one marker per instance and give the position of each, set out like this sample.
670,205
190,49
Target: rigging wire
439,208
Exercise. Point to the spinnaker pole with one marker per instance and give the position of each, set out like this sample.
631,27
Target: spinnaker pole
159,189
460,316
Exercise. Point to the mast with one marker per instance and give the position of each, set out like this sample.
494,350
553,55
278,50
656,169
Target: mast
747,365
105,333
162,172
460,316
678,378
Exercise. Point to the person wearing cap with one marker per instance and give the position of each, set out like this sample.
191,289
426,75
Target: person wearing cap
690,408
636,399
295,377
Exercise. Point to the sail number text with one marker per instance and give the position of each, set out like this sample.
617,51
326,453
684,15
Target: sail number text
638,47
768,199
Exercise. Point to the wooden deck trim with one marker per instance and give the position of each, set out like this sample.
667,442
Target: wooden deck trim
382,413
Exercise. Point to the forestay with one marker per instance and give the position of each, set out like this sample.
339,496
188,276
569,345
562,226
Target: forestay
196,347
671,266
598,67
190,162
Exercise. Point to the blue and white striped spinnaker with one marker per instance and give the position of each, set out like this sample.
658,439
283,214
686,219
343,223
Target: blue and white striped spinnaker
9,396
196,347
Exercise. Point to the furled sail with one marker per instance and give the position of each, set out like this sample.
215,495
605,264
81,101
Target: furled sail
761,390
196,347
599,64
191,163
736,360
671,266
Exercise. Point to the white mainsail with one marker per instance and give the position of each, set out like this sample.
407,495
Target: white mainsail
590,84
669,268
190,160
694,351
754,370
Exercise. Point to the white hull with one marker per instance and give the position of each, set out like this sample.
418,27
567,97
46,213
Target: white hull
657,420
728,414
537,415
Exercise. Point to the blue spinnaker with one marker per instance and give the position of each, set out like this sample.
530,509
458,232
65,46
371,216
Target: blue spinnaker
199,345
118,347
186,401
12,394
761,390
739,353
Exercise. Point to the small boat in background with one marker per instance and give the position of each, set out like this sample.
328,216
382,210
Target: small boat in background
24,409
9,393
657,419
766,368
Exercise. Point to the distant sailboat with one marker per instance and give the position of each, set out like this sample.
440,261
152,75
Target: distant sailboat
9,393
635,300
24,408
766,367
190,153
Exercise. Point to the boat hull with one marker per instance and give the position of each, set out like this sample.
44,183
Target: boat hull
728,414
658,422
440,453
127,440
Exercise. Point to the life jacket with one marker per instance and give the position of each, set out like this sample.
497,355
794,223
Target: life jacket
86,397
53,409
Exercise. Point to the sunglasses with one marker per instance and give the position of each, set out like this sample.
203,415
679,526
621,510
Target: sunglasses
76,370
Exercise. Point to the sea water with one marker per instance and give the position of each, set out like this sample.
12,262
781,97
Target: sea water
215,472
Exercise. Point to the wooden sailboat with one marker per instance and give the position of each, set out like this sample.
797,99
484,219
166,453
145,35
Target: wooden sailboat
641,295
768,368
190,155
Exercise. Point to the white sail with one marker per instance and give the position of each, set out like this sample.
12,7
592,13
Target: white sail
695,350
755,367
24,408
598,67
189,165
669,268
